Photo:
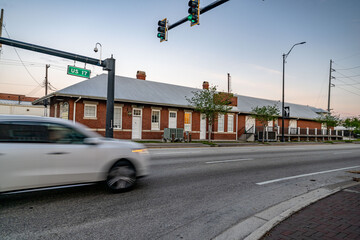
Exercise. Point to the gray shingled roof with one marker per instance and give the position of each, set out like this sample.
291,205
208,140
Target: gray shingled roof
14,102
156,93
245,104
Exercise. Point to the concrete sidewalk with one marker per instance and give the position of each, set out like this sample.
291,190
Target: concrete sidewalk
334,217
231,144
331,212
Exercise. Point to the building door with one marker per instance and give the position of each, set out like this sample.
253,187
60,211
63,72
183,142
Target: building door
249,124
202,126
172,119
293,126
136,124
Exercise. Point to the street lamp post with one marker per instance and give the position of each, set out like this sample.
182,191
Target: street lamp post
283,92
96,50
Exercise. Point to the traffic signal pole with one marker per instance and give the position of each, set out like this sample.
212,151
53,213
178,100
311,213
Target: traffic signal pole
202,10
107,64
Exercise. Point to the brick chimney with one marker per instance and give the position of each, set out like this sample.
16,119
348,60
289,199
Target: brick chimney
141,75
205,85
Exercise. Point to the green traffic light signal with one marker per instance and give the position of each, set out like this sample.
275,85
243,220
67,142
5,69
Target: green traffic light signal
194,11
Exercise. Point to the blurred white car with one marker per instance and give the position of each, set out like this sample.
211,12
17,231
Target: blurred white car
37,152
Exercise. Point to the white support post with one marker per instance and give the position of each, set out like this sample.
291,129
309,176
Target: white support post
307,134
289,134
336,133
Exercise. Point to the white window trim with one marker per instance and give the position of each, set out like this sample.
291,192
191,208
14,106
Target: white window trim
230,124
90,105
188,126
153,125
121,120
221,124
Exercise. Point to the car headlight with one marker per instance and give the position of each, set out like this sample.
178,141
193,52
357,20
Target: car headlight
140,150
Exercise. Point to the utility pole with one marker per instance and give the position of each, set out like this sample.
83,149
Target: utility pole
46,88
330,84
229,83
1,24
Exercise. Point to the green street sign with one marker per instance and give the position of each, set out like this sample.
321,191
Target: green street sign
79,72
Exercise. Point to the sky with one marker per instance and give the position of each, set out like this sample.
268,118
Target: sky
245,38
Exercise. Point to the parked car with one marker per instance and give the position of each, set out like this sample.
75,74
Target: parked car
37,152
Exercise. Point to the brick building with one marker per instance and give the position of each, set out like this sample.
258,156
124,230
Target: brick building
143,109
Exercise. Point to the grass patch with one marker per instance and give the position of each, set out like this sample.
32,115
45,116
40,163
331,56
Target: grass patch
207,143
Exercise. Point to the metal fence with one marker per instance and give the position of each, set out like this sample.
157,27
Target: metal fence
299,134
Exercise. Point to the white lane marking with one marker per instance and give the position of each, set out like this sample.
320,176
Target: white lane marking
304,175
231,160
336,153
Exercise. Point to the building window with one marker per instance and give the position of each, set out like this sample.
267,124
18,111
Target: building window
90,110
137,112
221,123
187,121
155,120
117,117
230,123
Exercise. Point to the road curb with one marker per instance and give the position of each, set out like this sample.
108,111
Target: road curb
256,226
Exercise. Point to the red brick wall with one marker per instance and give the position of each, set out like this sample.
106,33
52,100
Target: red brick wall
16,97
309,124
224,136
241,124
195,124
99,123
164,118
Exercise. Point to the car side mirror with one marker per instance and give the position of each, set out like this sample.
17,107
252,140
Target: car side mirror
92,141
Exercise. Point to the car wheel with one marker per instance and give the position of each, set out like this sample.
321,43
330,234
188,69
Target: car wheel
121,177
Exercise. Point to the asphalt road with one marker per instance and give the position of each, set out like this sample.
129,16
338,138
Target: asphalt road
190,194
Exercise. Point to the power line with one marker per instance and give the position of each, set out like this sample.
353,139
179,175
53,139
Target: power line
350,76
348,68
346,83
349,91
21,59
17,84
347,77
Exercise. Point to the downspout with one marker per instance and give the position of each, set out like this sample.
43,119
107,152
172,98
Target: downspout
75,109
237,127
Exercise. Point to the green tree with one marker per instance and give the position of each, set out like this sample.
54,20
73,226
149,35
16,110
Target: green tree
265,114
352,124
329,120
211,103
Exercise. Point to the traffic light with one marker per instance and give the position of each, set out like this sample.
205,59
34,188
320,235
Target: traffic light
194,11
162,30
